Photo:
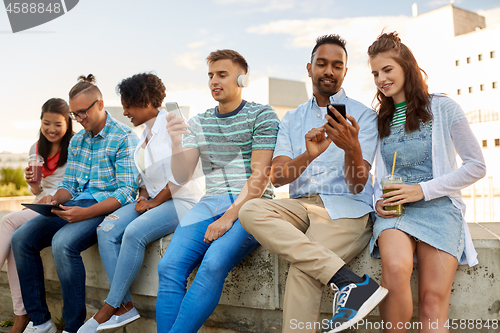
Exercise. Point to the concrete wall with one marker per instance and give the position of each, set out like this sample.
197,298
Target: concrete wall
252,298
465,21
13,204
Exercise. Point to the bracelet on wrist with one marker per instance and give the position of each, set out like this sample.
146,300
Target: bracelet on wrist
40,188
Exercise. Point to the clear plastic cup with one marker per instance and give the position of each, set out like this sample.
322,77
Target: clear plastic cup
388,180
35,163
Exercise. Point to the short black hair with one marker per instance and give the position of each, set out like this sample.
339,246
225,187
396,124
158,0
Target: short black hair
329,39
140,90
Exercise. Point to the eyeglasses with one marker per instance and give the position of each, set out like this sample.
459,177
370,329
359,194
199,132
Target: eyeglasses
82,114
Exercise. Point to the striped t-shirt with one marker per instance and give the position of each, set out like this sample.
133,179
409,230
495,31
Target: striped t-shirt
400,114
226,142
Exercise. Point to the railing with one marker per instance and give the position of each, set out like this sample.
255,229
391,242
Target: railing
481,199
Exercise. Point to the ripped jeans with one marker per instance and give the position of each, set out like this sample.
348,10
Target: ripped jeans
122,239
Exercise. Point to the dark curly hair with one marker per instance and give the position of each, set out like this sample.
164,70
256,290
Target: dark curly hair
415,88
59,106
140,90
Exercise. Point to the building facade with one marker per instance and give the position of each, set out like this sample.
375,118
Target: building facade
460,54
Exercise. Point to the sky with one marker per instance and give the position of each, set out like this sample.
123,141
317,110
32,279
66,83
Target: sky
114,39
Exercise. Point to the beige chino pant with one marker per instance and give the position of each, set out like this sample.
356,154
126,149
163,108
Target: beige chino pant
301,231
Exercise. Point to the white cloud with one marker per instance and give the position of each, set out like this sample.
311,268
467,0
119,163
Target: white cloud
359,30
441,3
267,6
260,5
195,45
492,16
189,60
15,145
25,124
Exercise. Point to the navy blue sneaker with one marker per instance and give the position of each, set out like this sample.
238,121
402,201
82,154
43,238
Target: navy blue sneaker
354,302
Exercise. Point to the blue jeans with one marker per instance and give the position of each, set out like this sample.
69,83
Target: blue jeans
185,312
68,240
123,237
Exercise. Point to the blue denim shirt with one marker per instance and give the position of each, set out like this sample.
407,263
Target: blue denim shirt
325,175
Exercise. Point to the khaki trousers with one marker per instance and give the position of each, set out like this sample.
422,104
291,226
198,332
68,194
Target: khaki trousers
301,231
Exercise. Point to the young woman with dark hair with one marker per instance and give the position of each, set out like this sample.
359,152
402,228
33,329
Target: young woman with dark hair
55,133
426,130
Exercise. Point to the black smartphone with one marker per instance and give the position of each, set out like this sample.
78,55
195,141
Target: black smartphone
339,107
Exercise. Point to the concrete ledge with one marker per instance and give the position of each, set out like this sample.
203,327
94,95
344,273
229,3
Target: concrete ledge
252,297
13,204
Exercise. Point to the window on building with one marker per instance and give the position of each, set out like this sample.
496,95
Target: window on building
457,63
470,90
468,60
492,54
459,91
485,143
481,87
497,142
494,85
479,57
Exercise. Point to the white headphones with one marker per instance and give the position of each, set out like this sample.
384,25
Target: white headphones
244,80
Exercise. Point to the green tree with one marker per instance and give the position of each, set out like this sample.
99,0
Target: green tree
14,176
10,190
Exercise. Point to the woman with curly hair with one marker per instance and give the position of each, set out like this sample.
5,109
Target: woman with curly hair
124,234
426,130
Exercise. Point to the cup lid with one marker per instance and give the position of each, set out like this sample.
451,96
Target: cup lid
392,177
35,157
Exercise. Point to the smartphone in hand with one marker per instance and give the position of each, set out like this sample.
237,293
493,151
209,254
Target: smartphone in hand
174,107
339,107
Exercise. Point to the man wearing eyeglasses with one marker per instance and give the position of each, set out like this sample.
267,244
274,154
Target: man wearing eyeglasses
100,177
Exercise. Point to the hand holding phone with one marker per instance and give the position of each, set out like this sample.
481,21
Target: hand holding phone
176,128
339,107
173,107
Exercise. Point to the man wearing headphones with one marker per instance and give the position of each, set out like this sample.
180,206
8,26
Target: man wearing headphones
235,142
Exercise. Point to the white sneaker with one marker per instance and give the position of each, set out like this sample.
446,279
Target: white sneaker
33,329
116,322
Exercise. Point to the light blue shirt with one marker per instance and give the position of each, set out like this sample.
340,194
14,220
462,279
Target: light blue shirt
325,175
